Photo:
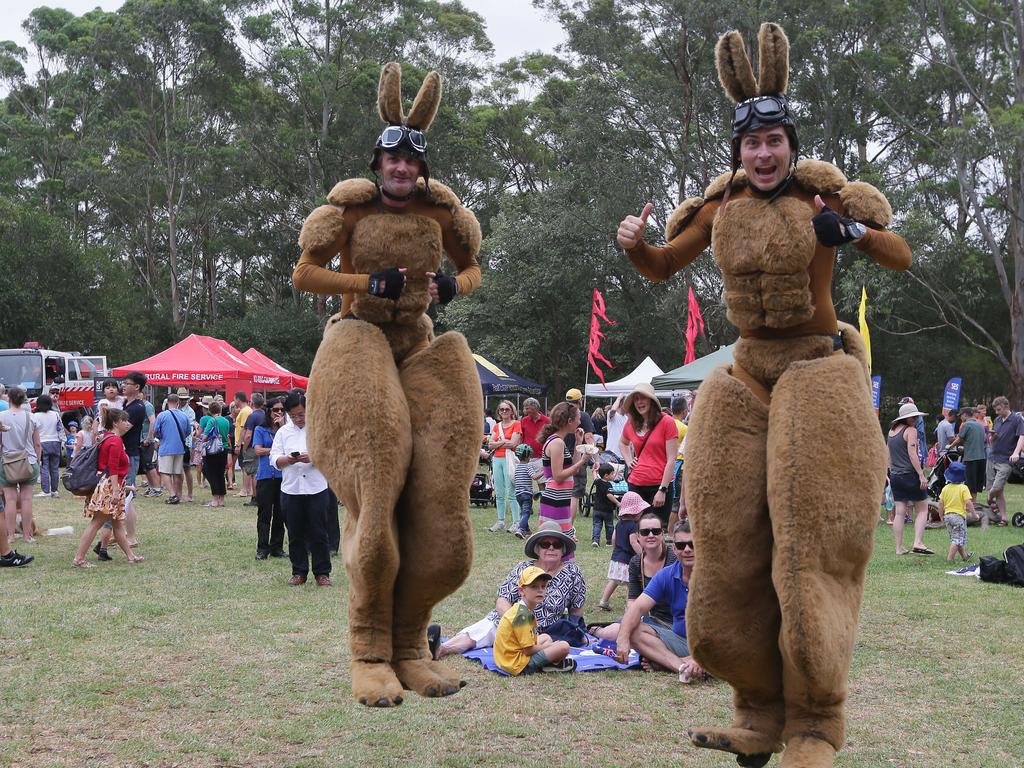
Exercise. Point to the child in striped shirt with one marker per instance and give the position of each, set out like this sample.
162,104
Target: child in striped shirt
526,473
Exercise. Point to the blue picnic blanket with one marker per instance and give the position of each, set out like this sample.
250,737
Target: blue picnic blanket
591,658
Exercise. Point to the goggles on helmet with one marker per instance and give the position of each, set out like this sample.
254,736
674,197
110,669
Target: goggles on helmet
394,136
760,112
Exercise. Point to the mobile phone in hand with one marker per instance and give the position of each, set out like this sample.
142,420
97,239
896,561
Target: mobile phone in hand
295,454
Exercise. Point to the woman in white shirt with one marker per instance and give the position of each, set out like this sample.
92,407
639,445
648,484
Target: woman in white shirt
51,437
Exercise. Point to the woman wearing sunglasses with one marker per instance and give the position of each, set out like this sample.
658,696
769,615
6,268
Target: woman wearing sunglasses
506,434
566,593
776,433
269,516
654,555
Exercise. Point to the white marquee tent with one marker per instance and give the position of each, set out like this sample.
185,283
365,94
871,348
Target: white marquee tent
644,372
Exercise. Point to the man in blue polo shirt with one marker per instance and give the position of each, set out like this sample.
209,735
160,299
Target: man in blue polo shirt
670,587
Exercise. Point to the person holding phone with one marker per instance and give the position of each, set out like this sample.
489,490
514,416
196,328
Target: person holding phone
304,497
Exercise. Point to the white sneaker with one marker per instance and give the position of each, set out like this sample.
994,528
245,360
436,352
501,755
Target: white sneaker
42,495
54,495
514,529
498,526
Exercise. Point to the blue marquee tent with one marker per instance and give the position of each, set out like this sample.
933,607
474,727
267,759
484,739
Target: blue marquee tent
496,381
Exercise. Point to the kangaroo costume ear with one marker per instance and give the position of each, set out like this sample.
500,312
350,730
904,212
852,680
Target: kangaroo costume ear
735,72
425,107
773,62
389,94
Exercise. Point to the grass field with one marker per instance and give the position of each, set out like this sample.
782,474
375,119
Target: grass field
202,656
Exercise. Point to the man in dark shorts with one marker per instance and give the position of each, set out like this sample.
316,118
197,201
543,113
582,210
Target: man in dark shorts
1007,445
579,480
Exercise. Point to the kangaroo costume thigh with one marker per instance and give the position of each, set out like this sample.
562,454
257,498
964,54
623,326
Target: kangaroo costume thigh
823,508
436,545
731,584
356,416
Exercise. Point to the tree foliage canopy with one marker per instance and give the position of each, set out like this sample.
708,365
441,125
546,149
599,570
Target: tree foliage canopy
157,162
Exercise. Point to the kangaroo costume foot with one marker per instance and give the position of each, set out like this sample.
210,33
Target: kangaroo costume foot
427,678
375,684
752,749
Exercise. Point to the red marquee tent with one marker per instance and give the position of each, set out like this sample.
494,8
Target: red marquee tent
203,362
297,381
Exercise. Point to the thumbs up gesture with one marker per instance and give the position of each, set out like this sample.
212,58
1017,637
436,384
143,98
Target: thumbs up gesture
631,230
830,228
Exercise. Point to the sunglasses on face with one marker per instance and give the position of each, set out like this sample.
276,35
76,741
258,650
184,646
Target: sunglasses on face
549,544
766,108
277,410
681,545
650,531
393,135
504,410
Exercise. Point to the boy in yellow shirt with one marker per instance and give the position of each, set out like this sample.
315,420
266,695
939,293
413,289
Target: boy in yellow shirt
954,503
518,649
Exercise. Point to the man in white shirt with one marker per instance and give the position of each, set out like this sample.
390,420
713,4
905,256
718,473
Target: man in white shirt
616,422
304,497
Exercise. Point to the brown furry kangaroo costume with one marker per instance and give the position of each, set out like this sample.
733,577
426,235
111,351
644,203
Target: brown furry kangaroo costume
394,414
783,545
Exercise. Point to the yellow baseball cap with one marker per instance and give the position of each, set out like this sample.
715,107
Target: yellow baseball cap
531,574
573,395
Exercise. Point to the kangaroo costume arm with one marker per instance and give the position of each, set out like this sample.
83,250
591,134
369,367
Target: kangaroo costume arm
460,236
324,235
688,234
863,203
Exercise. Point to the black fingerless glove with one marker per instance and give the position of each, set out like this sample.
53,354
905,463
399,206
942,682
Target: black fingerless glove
831,228
387,284
447,289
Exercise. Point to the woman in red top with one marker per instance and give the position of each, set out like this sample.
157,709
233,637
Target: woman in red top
107,501
648,444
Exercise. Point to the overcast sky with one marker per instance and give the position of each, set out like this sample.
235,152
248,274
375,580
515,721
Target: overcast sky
514,26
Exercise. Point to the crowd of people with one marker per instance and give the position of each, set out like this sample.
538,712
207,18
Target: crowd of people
253,444
973,452
537,610
258,446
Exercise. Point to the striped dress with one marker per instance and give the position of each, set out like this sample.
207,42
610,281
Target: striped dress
557,497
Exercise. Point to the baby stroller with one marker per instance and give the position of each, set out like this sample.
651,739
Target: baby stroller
481,492
937,476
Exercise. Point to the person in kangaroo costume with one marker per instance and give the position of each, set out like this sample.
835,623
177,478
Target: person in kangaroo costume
394,413
775,595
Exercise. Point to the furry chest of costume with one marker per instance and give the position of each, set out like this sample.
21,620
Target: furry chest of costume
764,250
387,240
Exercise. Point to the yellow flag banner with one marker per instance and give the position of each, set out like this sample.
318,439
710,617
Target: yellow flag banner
862,316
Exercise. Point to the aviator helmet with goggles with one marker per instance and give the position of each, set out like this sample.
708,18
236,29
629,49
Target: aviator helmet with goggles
402,140
762,112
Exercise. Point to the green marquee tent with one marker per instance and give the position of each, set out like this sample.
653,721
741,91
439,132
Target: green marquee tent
690,376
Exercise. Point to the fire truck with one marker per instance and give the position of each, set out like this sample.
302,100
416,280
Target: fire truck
70,378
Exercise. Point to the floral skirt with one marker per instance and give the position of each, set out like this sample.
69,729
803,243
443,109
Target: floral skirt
106,500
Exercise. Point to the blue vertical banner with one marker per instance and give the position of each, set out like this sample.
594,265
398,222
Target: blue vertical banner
951,397
876,393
